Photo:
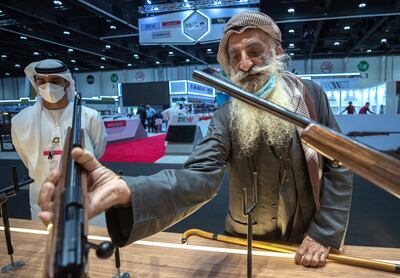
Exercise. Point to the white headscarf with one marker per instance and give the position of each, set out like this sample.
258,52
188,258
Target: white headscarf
51,67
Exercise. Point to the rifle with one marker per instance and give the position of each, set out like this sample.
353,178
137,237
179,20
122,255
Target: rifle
379,168
67,246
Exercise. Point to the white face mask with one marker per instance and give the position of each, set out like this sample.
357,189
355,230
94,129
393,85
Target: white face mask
51,92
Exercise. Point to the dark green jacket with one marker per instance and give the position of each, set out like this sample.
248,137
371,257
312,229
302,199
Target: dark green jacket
161,200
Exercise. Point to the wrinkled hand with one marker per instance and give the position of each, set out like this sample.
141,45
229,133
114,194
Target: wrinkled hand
311,253
105,188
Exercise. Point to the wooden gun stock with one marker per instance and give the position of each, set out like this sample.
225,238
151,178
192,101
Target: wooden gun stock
375,166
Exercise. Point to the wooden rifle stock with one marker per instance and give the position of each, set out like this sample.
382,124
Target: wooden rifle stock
67,246
377,167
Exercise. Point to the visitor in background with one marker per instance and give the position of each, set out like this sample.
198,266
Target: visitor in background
365,109
150,113
350,109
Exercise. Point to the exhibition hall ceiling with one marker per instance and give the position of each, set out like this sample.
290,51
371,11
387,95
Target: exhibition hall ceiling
91,35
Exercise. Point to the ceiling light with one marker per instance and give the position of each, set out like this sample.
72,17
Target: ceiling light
8,74
155,8
369,50
217,2
209,50
291,10
102,67
67,33
170,53
103,58
76,68
136,56
291,45
3,56
70,50
129,65
73,61
362,5
113,27
108,46
336,43
23,38
291,31
157,62
1,11
187,5
149,2
347,27
291,54
383,40
59,3
187,60
185,1
17,65
36,53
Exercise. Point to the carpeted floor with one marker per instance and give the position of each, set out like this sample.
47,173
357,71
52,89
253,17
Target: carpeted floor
147,150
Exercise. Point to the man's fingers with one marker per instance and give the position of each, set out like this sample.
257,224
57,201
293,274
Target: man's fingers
53,176
300,253
85,159
323,258
307,258
46,217
46,196
316,258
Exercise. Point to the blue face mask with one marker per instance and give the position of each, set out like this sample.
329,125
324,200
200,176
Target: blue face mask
268,87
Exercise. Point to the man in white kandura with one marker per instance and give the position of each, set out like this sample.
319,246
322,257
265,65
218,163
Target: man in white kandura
38,132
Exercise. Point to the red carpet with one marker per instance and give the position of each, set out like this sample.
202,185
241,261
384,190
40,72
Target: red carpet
140,150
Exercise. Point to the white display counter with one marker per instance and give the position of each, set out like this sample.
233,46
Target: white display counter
124,129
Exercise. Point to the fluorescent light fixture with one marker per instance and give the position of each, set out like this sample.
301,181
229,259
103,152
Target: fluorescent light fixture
291,10
113,27
70,50
155,8
291,54
185,1
3,56
330,74
187,5
187,60
67,33
23,38
103,58
362,5
346,27
291,45
108,46
1,11
217,2
157,62
76,68
291,31
369,50
383,40
136,56
73,61
17,65
102,67
209,50
36,53
171,53
59,3
8,74
148,2
129,65
336,43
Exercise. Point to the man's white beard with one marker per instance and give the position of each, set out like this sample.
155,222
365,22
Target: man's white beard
248,123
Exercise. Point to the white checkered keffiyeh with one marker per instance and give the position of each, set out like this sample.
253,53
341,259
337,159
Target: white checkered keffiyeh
297,93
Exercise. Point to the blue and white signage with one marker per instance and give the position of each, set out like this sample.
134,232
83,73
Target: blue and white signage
186,27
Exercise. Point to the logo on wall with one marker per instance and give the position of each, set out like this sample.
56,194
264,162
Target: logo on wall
90,79
363,66
139,76
196,25
326,67
114,78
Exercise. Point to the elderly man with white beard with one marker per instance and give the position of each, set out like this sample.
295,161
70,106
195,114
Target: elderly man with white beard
301,198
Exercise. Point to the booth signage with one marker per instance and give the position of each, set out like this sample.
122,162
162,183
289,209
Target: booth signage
363,66
90,79
114,78
114,124
196,25
326,67
139,76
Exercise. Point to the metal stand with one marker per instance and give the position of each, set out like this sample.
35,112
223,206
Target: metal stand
248,212
5,194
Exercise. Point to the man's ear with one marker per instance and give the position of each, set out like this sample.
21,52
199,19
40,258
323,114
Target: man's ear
279,50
